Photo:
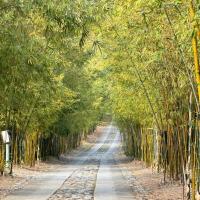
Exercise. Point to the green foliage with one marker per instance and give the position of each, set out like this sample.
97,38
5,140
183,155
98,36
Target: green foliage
41,61
46,89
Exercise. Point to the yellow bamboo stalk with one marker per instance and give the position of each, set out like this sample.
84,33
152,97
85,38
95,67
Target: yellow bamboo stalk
195,46
197,73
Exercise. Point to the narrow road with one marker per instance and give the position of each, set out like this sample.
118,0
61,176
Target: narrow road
93,174
110,182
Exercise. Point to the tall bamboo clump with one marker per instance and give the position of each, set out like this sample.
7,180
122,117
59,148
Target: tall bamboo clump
36,147
153,86
48,96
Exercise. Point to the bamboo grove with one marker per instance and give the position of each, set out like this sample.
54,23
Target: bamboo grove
151,62
47,97
63,65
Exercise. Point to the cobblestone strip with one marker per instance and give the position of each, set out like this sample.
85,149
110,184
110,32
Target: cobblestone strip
80,185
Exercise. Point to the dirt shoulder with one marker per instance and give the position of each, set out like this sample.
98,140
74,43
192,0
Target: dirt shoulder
148,183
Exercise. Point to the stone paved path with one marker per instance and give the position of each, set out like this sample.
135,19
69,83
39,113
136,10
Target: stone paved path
80,185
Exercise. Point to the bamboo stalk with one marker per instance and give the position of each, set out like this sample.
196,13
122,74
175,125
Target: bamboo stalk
195,46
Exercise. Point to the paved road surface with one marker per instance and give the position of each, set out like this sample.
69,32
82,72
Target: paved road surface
110,184
90,175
